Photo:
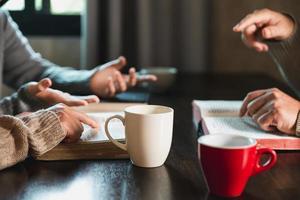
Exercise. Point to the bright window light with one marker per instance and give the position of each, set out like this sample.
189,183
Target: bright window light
14,5
67,7
38,5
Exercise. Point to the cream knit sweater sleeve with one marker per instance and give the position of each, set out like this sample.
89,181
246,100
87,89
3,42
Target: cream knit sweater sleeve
32,135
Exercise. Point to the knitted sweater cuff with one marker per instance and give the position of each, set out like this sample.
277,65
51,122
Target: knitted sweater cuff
298,124
46,131
13,141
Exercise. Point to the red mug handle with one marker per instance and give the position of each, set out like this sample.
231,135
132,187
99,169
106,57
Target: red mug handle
268,164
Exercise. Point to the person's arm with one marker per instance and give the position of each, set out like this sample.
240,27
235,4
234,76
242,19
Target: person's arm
32,135
19,102
285,55
36,133
22,64
26,100
277,33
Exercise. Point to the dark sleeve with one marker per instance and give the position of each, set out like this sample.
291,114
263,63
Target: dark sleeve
22,64
286,56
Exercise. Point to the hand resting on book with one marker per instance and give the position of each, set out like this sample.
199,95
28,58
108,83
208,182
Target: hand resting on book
71,121
272,109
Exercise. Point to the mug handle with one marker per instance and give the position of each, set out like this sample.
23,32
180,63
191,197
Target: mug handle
268,164
115,142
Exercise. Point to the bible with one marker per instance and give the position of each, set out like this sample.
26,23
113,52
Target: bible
222,117
94,144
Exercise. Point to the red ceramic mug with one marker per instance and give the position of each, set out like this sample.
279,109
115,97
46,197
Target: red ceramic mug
228,162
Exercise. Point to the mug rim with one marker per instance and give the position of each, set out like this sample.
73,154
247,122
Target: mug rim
169,110
253,142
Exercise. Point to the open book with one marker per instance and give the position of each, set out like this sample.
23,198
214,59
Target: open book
94,144
222,117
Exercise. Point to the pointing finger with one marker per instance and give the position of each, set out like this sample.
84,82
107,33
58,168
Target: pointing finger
252,19
83,118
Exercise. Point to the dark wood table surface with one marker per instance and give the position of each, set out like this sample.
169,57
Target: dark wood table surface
181,176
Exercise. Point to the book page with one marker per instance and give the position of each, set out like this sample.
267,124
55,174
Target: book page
218,108
244,126
116,127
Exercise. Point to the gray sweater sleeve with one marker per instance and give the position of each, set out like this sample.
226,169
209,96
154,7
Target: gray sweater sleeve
22,64
20,102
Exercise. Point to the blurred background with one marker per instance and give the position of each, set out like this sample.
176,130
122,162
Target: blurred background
191,35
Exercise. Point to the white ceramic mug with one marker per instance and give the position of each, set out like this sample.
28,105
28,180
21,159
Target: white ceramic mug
148,132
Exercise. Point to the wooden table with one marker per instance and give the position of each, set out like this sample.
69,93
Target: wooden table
180,177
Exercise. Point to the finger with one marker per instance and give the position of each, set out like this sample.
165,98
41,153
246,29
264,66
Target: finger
117,64
255,105
75,136
121,82
75,102
89,98
74,132
249,35
272,32
67,99
250,39
252,19
260,112
250,96
111,87
132,77
261,47
257,45
147,78
83,118
265,121
44,84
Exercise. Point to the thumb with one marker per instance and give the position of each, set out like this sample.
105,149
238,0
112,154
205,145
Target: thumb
272,32
44,84
119,63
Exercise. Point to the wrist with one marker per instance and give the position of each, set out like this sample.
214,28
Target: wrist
30,100
292,23
46,131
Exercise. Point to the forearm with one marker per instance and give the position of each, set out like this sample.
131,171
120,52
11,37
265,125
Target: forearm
76,82
13,105
22,64
285,55
20,102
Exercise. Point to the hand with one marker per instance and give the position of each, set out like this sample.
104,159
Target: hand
272,109
108,80
267,24
71,121
42,91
